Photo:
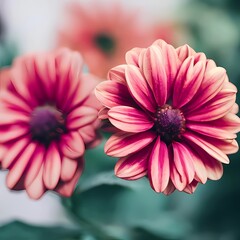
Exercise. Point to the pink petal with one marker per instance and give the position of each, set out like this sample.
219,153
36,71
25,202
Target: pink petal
103,113
179,181
213,167
66,188
227,146
183,161
133,165
35,165
210,130
184,52
154,71
170,188
199,167
230,122
8,117
72,145
20,78
191,187
69,167
11,101
189,79
37,188
80,117
211,84
13,133
118,74
159,166
171,63
215,109
52,167
132,56
111,94
17,170
207,147
122,144
129,119
140,89
137,176
81,91
15,150
68,68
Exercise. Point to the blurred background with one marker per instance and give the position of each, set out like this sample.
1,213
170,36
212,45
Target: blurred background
102,206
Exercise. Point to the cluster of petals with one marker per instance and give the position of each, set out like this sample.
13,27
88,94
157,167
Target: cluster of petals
173,114
48,119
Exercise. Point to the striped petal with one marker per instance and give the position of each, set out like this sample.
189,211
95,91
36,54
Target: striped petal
112,93
17,170
37,188
52,167
209,148
140,89
72,145
129,119
123,144
69,167
132,166
159,166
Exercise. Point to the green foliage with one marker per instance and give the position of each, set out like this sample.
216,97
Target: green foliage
21,231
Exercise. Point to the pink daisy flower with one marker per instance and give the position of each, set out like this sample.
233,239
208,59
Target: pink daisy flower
174,116
48,119
103,34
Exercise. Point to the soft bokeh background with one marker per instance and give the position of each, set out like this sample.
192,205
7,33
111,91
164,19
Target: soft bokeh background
104,207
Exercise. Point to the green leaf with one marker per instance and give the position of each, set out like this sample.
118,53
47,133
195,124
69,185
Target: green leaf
20,231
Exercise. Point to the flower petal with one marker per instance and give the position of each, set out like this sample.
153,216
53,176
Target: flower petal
132,56
37,188
66,188
133,165
36,163
183,161
112,93
118,74
122,144
210,130
140,89
69,167
189,79
80,117
129,119
14,132
16,171
191,187
72,145
207,147
14,151
159,166
211,85
52,167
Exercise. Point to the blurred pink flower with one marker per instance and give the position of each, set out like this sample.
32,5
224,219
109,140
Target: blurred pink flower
4,78
48,119
174,115
103,34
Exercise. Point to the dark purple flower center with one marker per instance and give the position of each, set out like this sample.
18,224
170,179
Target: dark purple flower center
169,123
47,124
105,42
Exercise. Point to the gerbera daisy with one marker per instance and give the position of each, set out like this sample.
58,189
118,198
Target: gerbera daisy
174,115
48,119
103,34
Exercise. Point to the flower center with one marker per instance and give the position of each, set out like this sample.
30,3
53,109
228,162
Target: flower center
105,42
169,123
47,124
